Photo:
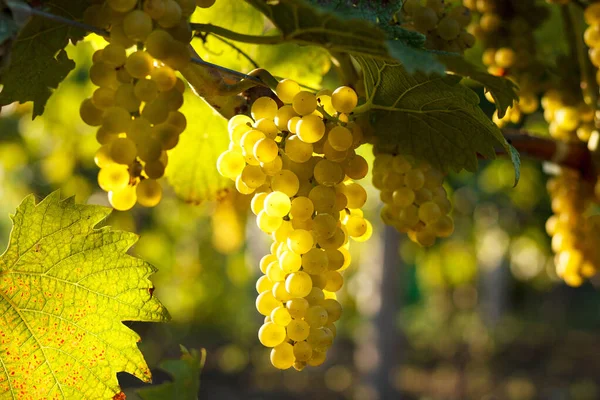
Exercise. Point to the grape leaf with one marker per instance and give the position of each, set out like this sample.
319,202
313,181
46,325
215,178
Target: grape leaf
38,62
431,117
504,91
186,378
303,23
192,167
65,289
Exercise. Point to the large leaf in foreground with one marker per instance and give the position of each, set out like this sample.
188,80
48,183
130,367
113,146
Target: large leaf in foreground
65,289
434,118
192,168
186,378
39,62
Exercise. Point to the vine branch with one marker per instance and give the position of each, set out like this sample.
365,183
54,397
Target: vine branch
574,155
238,37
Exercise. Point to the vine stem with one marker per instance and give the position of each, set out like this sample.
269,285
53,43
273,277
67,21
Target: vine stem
575,155
238,37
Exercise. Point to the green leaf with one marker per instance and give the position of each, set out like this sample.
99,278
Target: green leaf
186,378
39,62
504,91
192,164
65,289
431,117
343,32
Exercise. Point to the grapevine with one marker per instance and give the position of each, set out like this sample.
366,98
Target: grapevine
296,155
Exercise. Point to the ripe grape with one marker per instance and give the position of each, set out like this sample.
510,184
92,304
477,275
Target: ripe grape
149,193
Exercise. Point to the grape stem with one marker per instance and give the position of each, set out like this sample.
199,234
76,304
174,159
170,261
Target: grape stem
573,155
233,46
238,37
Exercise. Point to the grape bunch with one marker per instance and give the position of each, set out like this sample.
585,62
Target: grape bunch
135,106
574,235
506,31
414,199
441,23
297,157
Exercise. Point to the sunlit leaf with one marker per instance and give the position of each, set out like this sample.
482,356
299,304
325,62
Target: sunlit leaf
39,62
65,289
186,378
192,164
431,117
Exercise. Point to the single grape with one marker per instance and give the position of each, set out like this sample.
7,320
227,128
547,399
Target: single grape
149,193
271,334
123,199
304,103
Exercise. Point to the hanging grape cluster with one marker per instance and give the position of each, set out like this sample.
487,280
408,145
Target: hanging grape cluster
299,162
506,31
139,94
442,23
414,199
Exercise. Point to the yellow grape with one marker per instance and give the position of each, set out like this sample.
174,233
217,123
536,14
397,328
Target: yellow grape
149,193
123,199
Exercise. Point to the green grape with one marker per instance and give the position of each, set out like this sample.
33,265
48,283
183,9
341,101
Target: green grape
205,3
187,7
285,181
333,308
179,57
281,316
116,120
242,187
272,168
357,168
316,317
164,77
443,227
335,259
264,107
103,75
114,55
324,226
505,57
356,226
429,212
414,179
316,295
290,262
102,158
338,239
103,137
124,199
304,103
149,193
149,149
103,98
328,173
462,15
297,150
298,284
266,223
249,140
265,150
302,208
317,358
323,198
126,98
340,138
90,114
159,43
156,112
319,281
344,99
335,281
425,238
118,36
310,129
298,330
315,261
424,19
282,356
167,135
284,114
592,14
154,8
178,120
271,334
121,5
173,98
137,25
448,28
230,164
113,177
172,15
154,169
286,90
302,351
266,126
300,241
403,197
139,64
123,151
280,293
297,307
146,90
263,284
409,216
266,303
275,273
277,204
333,155
282,233
356,194
253,176
292,125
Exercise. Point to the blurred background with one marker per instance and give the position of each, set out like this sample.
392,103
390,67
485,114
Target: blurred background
480,315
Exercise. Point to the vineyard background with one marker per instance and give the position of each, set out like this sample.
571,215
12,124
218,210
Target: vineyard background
481,315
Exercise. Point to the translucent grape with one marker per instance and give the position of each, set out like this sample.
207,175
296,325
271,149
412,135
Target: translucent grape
304,103
344,99
113,177
286,90
298,284
271,334
297,307
264,107
302,208
281,316
298,330
310,129
123,199
282,356
267,223
266,303
277,204
137,25
300,241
